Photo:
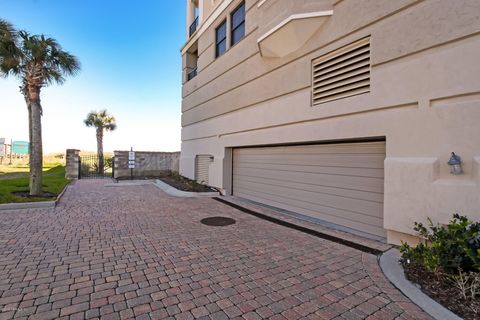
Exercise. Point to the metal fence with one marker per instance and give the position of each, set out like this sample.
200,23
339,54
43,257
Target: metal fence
91,167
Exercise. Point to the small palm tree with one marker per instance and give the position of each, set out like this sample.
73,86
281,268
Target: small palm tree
38,61
102,121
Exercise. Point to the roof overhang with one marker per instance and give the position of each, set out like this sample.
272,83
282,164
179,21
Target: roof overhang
292,33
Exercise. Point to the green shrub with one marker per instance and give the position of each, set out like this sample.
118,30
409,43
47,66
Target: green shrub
446,248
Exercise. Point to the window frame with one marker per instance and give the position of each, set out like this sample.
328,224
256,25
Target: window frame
217,41
232,28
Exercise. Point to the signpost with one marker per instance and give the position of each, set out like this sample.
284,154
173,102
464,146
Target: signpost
131,161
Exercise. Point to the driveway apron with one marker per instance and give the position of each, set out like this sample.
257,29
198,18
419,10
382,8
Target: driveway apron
135,252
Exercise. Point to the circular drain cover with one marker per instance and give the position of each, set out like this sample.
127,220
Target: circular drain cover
217,221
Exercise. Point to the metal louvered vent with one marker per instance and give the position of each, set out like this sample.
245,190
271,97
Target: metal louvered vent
202,168
342,73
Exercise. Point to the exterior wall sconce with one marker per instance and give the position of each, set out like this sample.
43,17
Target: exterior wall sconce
455,164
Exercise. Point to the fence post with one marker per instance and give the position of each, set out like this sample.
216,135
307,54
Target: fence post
113,167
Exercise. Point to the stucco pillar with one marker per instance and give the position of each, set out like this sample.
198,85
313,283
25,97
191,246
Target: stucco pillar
72,164
190,15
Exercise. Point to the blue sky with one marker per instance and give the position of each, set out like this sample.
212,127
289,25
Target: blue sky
131,65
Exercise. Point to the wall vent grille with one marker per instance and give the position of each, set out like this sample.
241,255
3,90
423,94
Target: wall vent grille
342,73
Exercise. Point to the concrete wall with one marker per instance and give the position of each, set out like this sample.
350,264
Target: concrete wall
146,163
424,98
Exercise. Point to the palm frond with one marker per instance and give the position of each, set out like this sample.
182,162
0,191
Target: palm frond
38,59
10,54
7,31
101,120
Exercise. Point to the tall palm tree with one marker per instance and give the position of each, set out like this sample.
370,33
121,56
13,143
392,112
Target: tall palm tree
102,121
38,61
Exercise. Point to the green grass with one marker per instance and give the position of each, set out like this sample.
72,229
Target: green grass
53,181
21,171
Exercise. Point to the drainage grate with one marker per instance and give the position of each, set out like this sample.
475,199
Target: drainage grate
217,221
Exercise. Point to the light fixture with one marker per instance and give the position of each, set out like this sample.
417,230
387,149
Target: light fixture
455,164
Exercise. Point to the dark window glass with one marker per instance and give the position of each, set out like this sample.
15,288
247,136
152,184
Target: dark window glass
238,33
221,39
238,24
221,47
238,16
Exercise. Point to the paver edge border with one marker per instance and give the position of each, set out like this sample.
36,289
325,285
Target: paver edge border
393,270
34,205
168,189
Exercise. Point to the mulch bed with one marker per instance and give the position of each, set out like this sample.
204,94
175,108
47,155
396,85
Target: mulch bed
185,184
441,289
177,181
26,194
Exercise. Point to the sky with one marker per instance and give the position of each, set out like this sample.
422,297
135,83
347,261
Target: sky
130,65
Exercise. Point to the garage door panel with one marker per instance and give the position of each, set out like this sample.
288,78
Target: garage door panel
338,183
243,181
347,148
316,198
328,160
372,225
359,172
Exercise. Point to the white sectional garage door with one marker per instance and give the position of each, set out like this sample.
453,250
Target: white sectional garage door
338,183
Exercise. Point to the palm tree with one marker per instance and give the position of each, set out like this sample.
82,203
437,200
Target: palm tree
102,121
38,61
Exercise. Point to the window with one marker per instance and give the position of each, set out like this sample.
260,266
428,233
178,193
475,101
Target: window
221,39
238,24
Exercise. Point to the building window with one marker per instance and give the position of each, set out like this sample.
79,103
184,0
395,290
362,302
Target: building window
238,24
221,39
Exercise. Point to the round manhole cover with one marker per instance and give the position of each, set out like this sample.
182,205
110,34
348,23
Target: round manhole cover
217,221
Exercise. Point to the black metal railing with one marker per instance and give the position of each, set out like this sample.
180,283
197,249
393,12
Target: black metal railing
92,166
193,27
192,74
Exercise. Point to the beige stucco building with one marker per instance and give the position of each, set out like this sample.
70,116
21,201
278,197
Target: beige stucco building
344,112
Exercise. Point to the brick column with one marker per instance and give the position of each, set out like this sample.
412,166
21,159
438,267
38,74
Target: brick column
73,163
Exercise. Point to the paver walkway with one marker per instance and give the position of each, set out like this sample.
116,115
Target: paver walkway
128,252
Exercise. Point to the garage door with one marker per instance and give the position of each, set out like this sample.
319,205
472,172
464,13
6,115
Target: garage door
337,183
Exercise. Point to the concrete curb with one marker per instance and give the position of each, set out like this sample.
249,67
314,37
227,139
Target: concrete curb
393,270
33,205
129,184
168,189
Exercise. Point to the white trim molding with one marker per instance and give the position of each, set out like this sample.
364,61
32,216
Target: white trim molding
261,3
290,34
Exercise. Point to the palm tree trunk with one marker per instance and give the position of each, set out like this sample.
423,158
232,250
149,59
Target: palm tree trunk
101,160
30,135
23,90
36,161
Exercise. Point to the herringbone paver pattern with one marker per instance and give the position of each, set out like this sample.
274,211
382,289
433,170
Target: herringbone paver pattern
134,252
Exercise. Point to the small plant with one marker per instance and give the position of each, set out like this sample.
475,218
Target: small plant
467,283
448,260
446,248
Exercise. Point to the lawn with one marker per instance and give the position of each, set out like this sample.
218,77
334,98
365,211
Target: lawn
16,179
21,170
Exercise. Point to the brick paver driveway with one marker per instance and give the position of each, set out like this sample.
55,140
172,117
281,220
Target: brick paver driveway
128,252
